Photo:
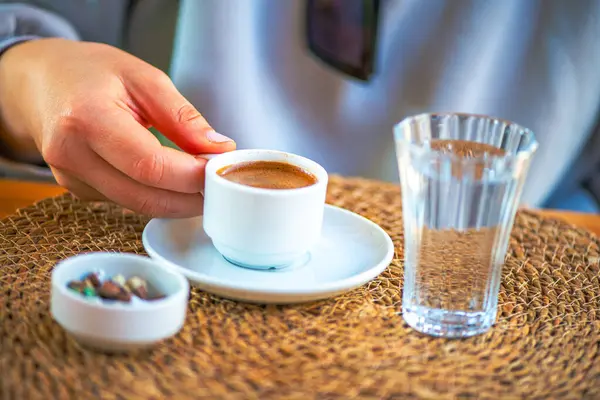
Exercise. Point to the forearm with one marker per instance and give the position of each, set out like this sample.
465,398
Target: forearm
18,25
15,142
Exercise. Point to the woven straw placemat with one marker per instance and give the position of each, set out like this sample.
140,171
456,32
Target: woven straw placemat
545,343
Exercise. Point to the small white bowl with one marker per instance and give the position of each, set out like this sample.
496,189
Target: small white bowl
115,326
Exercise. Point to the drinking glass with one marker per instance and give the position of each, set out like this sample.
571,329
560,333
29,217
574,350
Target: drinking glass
459,202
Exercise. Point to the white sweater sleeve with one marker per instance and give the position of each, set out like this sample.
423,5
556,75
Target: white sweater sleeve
21,22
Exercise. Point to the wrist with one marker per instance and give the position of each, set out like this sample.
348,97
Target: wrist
16,142
21,26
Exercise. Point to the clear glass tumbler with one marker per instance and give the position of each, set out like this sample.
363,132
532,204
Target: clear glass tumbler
461,177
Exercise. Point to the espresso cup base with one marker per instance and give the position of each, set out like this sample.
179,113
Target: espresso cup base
259,262
259,267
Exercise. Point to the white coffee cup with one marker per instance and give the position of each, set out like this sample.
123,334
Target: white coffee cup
262,228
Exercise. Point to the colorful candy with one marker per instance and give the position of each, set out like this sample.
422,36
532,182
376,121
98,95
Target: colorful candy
117,288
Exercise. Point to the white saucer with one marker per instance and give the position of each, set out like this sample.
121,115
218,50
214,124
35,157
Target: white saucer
351,252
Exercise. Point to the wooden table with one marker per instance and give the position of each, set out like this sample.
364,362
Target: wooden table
14,195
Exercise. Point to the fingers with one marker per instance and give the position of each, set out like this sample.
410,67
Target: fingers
110,183
119,139
77,187
168,111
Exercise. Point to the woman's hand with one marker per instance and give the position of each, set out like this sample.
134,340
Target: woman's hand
87,107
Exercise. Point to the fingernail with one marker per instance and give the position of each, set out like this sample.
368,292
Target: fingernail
216,137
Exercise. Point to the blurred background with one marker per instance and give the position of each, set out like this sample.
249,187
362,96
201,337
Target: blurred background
549,41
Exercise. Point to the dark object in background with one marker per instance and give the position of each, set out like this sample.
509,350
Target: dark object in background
343,34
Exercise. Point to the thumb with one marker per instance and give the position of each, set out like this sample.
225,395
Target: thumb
173,115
